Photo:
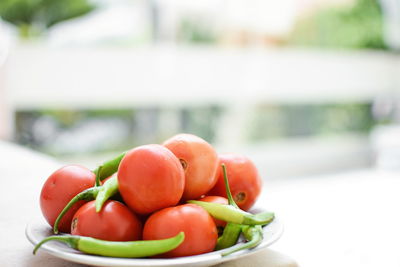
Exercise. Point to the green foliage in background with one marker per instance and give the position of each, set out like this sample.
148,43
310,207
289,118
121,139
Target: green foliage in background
357,26
34,16
63,131
305,120
191,30
201,121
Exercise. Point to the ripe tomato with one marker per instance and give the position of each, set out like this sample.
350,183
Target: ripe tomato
59,189
150,178
115,222
199,160
219,200
199,228
244,180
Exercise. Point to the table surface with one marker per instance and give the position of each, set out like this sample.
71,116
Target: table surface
346,219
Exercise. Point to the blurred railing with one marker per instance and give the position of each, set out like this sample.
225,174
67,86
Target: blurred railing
41,77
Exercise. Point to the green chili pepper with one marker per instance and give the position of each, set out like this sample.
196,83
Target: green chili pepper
265,216
102,172
109,188
129,249
230,236
232,231
231,214
253,235
88,194
108,168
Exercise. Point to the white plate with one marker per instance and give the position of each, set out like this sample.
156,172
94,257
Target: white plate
36,231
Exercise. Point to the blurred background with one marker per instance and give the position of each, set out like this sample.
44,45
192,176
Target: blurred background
301,86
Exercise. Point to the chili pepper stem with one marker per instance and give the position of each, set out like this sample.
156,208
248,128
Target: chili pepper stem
97,173
227,188
249,244
232,230
71,241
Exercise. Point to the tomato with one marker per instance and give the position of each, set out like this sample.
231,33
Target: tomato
150,178
199,160
115,222
219,200
199,228
59,189
244,180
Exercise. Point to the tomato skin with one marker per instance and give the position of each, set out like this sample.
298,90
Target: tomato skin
244,180
59,189
199,228
200,162
115,222
219,200
150,178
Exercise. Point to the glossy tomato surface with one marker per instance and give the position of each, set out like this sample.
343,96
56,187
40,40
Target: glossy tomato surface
150,178
199,160
244,181
59,189
199,228
219,200
115,222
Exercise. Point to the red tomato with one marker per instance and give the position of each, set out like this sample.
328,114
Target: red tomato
115,222
150,178
199,228
219,200
199,160
244,180
59,189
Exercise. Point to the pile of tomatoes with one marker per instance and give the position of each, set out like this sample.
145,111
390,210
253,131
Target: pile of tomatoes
154,183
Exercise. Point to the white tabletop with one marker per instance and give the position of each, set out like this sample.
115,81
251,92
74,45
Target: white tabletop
23,173
348,219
